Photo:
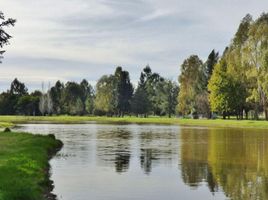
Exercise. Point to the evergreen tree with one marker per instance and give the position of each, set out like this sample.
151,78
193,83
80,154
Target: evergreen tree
124,91
140,103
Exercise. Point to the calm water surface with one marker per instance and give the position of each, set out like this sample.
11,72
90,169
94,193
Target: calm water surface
152,162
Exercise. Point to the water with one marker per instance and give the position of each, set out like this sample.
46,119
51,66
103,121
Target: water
153,162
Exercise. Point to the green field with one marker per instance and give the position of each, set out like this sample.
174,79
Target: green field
24,165
8,120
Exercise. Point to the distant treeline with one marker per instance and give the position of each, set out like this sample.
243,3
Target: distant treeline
235,84
113,95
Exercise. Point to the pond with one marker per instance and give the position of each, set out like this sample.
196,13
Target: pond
155,162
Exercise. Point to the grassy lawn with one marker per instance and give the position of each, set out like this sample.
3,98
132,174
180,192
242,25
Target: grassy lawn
152,120
24,165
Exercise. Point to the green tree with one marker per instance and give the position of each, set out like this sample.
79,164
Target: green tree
106,95
237,67
87,96
56,93
225,90
210,63
242,33
124,91
9,99
168,94
18,88
151,85
7,103
140,103
27,105
77,107
192,82
229,84
90,105
255,59
71,95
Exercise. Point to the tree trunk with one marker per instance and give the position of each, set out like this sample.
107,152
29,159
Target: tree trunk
246,111
256,116
209,115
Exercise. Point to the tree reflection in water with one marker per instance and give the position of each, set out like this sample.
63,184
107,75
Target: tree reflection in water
113,148
157,148
232,160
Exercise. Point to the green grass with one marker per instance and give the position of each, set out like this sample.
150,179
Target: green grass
24,165
149,120
5,124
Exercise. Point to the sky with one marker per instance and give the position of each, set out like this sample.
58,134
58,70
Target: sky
69,40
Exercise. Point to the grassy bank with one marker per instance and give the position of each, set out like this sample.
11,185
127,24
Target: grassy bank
150,120
24,165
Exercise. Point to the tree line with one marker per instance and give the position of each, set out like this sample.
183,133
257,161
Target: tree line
234,84
113,95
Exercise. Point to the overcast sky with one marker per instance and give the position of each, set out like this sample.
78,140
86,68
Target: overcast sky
76,39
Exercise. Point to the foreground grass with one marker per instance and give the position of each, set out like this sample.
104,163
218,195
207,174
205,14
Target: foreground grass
149,120
24,165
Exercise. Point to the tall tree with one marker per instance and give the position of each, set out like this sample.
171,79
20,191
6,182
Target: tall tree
225,90
72,97
124,91
140,103
237,66
151,81
255,59
210,63
192,82
106,95
229,83
242,33
87,97
168,94
56,94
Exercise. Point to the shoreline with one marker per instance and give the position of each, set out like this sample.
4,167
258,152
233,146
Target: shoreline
11,121
48,195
